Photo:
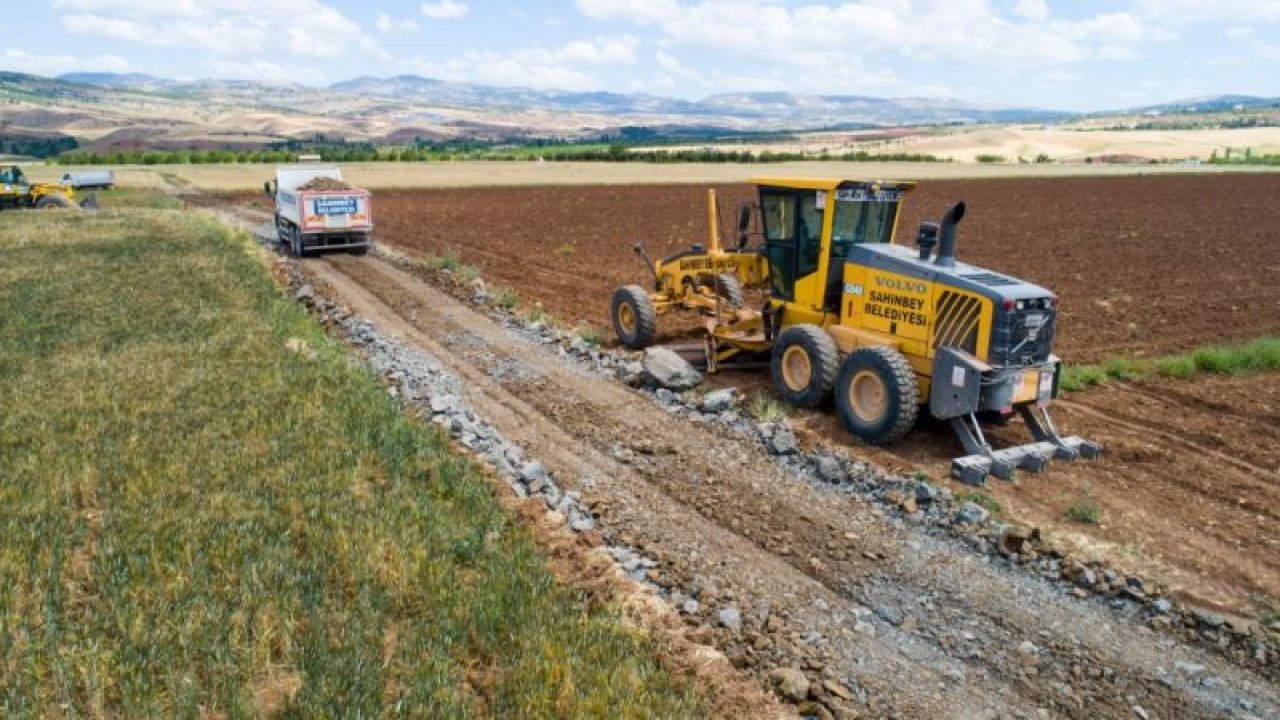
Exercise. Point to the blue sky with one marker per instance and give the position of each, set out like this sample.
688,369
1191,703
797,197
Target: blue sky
1082,55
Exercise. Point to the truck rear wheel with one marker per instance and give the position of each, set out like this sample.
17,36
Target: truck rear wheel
805,361
299,245
876,395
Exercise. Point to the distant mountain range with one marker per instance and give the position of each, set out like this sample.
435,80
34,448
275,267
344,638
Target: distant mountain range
1216,103
769,110
120,111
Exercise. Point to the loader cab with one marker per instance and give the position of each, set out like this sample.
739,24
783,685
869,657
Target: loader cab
809,227
12,175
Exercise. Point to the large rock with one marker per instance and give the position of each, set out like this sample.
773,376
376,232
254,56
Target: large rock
779,439
790,683
971,514
731,618
718,401
665,369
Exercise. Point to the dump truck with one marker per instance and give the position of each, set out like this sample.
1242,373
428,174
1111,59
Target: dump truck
884,331
316,211
90,179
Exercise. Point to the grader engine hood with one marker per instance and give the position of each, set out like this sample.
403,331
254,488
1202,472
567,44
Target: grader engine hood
951,301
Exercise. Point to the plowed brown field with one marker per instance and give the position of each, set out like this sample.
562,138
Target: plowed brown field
1143,264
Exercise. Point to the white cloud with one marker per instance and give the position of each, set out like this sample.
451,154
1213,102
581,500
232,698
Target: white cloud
22,61
1239,33
559,68
1189,11
445,10
1031,9
223,28
852,34
388,25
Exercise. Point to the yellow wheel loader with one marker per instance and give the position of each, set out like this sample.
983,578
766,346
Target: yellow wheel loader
886,330
705,278
17,192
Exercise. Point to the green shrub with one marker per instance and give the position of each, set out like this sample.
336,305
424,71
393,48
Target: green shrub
1085,510
506,298
1119,369
1082,377
1175,366
985,500
765,408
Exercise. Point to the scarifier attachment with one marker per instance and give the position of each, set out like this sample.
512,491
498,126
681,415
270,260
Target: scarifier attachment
1034,458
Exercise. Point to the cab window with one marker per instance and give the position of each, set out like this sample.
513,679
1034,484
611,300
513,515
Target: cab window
779,210
863,217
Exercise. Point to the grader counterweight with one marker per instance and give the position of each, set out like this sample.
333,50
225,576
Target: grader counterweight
885,330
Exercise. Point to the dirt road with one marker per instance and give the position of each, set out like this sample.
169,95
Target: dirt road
790,574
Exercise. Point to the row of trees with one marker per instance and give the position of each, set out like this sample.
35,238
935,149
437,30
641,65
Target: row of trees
36,147
1242,158
611,153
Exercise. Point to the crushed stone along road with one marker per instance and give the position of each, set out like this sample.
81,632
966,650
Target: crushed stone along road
780,573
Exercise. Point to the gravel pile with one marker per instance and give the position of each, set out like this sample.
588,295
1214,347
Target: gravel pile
324,184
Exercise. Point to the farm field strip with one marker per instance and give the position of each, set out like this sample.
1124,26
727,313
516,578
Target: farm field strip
391,175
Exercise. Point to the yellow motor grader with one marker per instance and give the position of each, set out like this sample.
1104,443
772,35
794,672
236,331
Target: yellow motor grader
17,192
884,329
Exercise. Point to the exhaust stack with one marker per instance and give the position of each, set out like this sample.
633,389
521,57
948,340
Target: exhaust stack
947,244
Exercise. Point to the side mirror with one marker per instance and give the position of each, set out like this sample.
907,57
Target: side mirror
744,219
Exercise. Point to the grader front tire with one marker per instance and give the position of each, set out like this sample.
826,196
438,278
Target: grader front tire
729,288
634,319
876,395
805,362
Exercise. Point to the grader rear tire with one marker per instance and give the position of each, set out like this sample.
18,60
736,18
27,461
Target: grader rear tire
876,395
634,319
805,362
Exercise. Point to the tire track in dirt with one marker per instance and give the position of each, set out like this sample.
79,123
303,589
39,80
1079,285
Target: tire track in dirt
1169,436
721,516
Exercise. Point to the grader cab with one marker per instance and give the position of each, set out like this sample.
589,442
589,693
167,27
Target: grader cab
885,330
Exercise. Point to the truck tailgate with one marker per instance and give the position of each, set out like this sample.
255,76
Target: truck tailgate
336,210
